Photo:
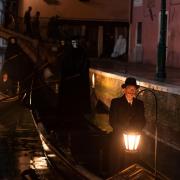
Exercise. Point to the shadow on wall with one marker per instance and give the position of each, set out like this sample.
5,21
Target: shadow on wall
52,2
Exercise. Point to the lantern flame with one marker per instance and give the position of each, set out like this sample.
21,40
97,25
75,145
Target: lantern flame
131,141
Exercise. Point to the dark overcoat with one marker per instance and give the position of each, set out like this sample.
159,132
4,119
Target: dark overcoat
124,116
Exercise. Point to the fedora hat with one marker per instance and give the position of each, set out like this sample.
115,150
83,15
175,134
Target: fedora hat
130,81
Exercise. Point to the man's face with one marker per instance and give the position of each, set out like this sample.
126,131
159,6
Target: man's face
130,92
5,77
13,41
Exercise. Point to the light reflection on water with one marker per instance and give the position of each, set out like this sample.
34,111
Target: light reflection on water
39,163
44,145
20,145
3,45
51,155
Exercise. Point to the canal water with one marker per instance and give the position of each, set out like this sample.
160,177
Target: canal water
21,152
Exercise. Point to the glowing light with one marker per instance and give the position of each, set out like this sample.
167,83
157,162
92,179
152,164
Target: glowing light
44,145
39,163
131,141
51,155
5,77
93,81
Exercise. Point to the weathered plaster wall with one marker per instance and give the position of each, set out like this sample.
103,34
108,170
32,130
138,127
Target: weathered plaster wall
150,18
173,34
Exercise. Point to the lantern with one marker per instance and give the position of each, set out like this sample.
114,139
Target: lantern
131,140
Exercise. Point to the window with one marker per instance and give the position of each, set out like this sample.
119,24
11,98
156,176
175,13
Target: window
139,33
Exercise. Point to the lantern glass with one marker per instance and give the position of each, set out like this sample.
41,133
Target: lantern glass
131,141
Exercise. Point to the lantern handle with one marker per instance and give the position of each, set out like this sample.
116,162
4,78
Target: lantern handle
156,130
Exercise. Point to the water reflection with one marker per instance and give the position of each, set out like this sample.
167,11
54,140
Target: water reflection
3,46
51,155
20,146
38,163
44,145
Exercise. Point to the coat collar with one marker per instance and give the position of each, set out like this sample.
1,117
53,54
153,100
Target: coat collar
125,100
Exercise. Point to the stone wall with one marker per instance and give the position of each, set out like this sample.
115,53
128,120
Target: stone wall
108,86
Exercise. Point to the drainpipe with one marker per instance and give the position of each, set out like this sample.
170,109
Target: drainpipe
161,56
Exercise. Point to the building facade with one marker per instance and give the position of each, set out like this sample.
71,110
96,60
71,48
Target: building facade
145,32
100,22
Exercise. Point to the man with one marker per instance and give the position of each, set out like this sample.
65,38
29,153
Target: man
126,113
27,21
36,26
13,49
120,47
6,85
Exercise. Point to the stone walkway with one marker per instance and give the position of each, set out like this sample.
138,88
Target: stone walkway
144,71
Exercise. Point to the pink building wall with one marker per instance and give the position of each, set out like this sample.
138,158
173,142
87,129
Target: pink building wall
174,34
75,9
150,32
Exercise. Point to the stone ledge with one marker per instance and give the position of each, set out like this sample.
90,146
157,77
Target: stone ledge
155,85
